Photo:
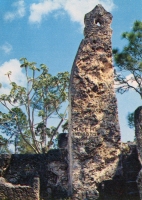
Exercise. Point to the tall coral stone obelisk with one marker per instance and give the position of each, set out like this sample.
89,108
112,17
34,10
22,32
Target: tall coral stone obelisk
94,133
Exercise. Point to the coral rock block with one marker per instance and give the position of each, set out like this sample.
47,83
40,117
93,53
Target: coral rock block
94,133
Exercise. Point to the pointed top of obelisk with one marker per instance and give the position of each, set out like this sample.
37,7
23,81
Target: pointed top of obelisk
98,18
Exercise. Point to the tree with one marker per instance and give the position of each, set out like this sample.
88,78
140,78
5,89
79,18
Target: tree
128,62
3,145
130,119
30,107
128,73
65,127
10,128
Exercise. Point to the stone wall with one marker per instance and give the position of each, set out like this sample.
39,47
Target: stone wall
138,134
18,192
123,185
45,177
94,133
26,177
93,167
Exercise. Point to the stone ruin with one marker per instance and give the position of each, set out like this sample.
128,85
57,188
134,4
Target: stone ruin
94,133
91,164
138,134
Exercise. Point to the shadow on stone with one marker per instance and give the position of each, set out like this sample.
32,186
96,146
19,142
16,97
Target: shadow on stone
21,171
123,185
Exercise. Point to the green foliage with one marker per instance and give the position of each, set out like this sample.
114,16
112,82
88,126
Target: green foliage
10,124
3,145
65,126
130,119
128,73
42,97
129,61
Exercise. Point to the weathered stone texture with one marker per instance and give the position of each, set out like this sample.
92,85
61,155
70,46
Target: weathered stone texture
138,130
138,134
94,133
32,175
123,186
96,164
9,191
19,179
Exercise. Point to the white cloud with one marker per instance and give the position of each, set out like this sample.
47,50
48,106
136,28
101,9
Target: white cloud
6,47
39,10
19,12
131,80
76,9
17,75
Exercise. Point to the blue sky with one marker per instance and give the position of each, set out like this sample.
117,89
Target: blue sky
50,31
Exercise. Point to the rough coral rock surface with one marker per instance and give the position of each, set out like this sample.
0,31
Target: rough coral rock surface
94,132
34,176
9,191
138,134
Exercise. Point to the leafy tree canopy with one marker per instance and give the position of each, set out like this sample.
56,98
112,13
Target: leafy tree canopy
3,145
128,62
29,107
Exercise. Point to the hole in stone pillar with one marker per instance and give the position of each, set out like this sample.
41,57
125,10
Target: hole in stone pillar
97,22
